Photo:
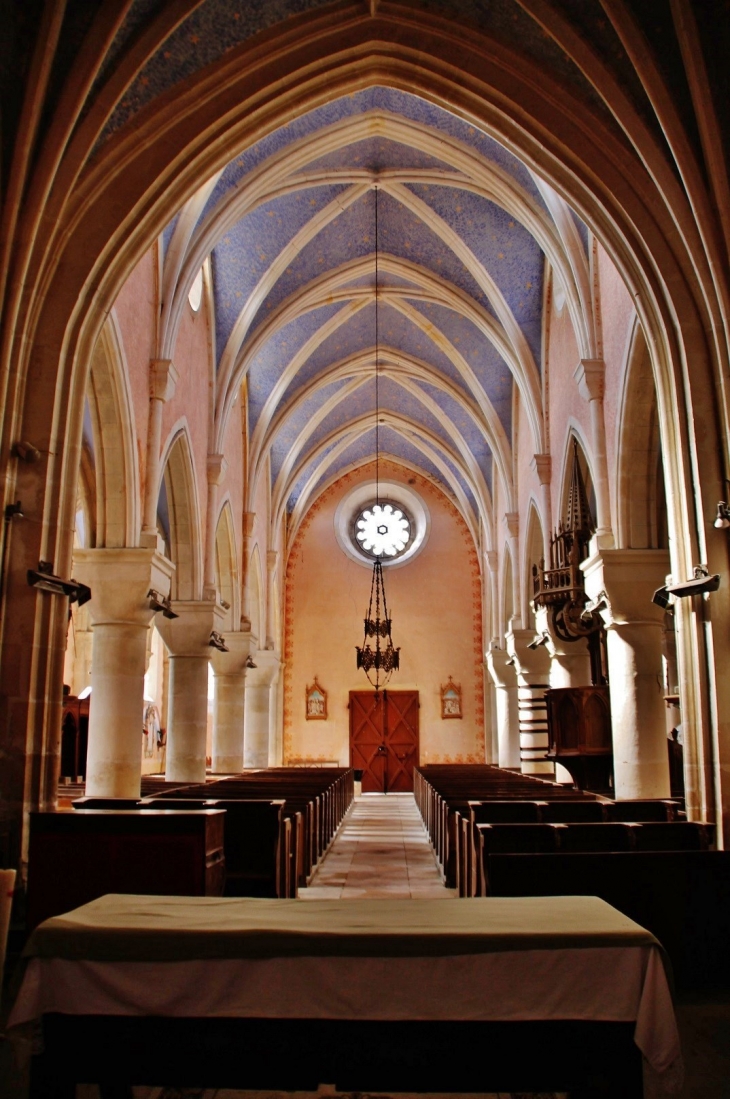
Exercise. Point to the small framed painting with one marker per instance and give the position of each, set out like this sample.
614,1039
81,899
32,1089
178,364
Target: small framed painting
451,699
316,702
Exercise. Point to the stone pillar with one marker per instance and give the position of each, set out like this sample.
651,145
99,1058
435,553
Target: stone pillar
258,707
543,465
249,518
501,669
491,559
589,375
163,379
533,676
276,718
216,467
622,582
229,677
271,559
120,617
187,639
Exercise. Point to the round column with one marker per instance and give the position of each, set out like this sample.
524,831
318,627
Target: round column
257,709
502,672
187,639
229,672
120,616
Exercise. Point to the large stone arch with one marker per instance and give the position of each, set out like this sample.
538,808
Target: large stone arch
95,222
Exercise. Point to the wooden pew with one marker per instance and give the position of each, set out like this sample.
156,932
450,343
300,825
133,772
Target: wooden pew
682,897
75,857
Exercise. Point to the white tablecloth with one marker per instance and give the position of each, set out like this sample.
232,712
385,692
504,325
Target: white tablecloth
487,959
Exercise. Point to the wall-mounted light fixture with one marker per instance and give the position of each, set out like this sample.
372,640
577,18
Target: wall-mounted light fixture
722,519
702,583
538,640
218,641
159,602
250,663
26,452
45,579
226,606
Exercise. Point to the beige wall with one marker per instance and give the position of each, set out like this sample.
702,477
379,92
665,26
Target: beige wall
435,604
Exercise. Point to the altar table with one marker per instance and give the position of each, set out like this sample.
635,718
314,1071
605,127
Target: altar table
379,994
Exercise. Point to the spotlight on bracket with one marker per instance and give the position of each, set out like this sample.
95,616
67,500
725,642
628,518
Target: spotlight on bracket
250,663
14,511
44,578
226,606
218,641
538,640
663,599
26,452
722,519
159,602
700,584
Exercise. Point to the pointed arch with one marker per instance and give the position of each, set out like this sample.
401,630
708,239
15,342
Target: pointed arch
226,567
117,511
640,491
183,514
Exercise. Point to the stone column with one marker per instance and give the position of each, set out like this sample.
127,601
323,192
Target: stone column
249,518
187,639
216,467
543,465
276,717
120,580
258,708
163,379
501,669
229,677
623,582
533,676
589,375
271,559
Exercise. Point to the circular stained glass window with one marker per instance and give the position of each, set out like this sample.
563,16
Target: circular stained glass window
383,530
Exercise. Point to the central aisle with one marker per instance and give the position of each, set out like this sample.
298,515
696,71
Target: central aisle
381,850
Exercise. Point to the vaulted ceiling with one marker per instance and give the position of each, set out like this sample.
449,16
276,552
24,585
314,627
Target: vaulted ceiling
465,231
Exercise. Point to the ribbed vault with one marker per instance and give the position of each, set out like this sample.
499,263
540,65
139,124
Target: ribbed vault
466,234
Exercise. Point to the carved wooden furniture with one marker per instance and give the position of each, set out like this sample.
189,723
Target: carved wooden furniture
579,735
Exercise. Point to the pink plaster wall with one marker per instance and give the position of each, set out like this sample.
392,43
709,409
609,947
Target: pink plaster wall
435,605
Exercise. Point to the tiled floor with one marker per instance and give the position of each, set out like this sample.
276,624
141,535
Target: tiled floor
382,850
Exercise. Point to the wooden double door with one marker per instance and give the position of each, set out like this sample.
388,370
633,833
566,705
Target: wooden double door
384,739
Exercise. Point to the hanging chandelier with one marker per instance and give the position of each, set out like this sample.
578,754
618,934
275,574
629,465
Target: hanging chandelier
380,658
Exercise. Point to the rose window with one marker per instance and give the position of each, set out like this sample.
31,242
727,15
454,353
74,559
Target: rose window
383,530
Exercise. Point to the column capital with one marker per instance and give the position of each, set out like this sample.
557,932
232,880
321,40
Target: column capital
272,557
189,633
249,518
530,663
120,580
542,464
240,646
267,668
216,468
590,376
501,667
622,582
492,559
163,379
512,520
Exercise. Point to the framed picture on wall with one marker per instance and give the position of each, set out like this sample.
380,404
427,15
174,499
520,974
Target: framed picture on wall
451,699
316,702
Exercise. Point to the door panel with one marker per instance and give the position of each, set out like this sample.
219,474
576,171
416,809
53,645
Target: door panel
384,739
